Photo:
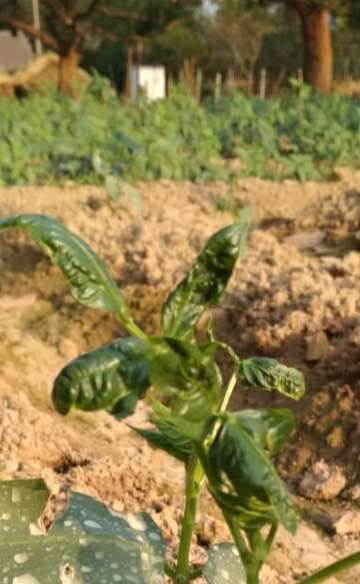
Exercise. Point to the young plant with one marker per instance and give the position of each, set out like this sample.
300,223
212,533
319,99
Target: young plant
230,451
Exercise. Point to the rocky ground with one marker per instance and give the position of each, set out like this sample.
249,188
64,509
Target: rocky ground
294,296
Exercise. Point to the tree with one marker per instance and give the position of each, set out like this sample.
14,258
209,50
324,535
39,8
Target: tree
317,44
66,24
317,18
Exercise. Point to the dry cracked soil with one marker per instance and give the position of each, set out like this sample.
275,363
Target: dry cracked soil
294,296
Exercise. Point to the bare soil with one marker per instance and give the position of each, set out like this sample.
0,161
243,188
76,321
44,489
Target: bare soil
294,296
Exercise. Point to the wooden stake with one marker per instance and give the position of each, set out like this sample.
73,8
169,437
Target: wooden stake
217,87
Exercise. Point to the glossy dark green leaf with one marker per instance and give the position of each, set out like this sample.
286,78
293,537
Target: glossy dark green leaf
224,565
111,378
269,374
270,428
167,438
90,282
242,468
205,283
87,543
188,375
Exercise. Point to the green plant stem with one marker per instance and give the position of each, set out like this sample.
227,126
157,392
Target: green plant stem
271,536
237,537
195,479
333,569
133,329
194,476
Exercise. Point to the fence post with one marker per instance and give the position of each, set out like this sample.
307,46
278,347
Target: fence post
198,84
251,82
262,86
217,87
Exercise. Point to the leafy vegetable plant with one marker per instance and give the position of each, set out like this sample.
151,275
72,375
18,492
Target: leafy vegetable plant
230,451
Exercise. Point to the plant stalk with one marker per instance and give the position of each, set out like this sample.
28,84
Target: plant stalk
195,479
194,475
333,569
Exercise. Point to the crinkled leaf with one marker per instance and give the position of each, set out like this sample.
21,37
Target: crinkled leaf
224,565
269,374
88,544
270,428
205,283
167,438
90,281
113,377
237,461
188,374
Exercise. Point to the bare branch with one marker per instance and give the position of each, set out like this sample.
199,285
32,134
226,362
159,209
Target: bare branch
85,14
116,13
30,30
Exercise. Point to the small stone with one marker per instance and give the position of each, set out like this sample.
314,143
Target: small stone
349,522
322,481
335,438
318,347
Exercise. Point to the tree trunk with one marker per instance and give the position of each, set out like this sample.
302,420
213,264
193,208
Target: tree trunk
318,60
68,65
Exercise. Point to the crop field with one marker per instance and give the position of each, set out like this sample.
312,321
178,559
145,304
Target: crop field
99,140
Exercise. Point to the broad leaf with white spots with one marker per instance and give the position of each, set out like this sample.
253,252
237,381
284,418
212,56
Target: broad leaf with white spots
88,544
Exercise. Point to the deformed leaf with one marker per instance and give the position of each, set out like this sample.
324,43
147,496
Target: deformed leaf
205,283
167,438
237,461
269,374
270,428
186,373
90,281
224,565
113,377
88,544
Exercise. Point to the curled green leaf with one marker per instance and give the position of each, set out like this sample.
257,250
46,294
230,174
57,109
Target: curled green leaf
186,373
269,374
113,377
167,438
90,281
244,480
205,283
270,428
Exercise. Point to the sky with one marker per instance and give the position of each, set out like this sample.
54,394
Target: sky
209,6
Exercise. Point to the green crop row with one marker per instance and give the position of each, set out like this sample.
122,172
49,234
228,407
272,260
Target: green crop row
48,138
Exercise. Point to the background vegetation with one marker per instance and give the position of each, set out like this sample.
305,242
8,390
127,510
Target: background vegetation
101,139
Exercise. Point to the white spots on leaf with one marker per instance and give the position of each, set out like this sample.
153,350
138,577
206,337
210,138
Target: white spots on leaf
68,523
131,578
21,558
83,541
136,523
235,551
154,536
35,529
68,575
25,579
117,578
5,516
85,569
225,575
15,495
92,524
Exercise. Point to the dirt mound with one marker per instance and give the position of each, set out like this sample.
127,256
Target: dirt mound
285,300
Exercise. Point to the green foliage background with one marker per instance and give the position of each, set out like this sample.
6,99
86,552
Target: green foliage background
48,138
